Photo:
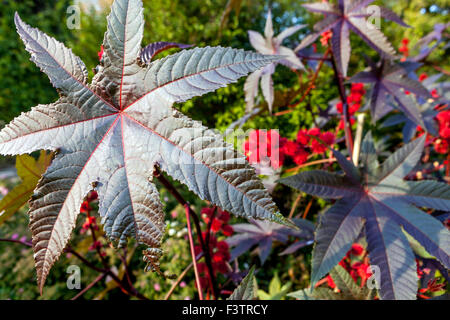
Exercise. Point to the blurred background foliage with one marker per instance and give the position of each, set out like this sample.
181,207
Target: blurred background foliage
22,86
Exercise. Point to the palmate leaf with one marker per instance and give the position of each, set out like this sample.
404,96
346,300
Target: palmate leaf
389,81
425,107
30,171
384,206
435,37
268,44
113,132
349,15
246,289
264,233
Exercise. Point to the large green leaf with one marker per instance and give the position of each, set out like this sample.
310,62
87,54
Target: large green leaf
113,132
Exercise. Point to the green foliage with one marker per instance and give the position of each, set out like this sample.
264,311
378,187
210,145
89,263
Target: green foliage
277,290
16,94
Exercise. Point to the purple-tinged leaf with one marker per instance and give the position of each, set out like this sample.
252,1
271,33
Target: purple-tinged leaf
321,7
393,82
340,42
389,82
321,183
320,27
372,36
190,73
348,14
363,77
259,42
65,70
338,228
269,45
268,30
356,5
263,233
287,33
290,59
296,246
349,168
406,105
401,162
267,89
390,251
387,205
369,158
151,50
392,16
264,249
425,193
435,35
427,230
251,89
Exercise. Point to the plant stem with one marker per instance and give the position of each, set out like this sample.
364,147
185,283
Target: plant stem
94,239
181,276
89,286
308,206
191,243
107,271
347,124
329,160
205,247
25,243
358,138
83,259
324,58
297,200
447,166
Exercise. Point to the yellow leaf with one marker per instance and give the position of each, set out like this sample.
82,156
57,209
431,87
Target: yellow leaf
30,171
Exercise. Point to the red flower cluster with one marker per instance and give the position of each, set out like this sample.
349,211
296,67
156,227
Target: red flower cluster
100,53
296,150
263,146
220,254
432,286
219,250
442,143
219,222
86,208
354,100
404,49
325,37
359,270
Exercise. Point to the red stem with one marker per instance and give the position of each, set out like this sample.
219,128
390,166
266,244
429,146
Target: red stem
89,286
194,261
205,247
